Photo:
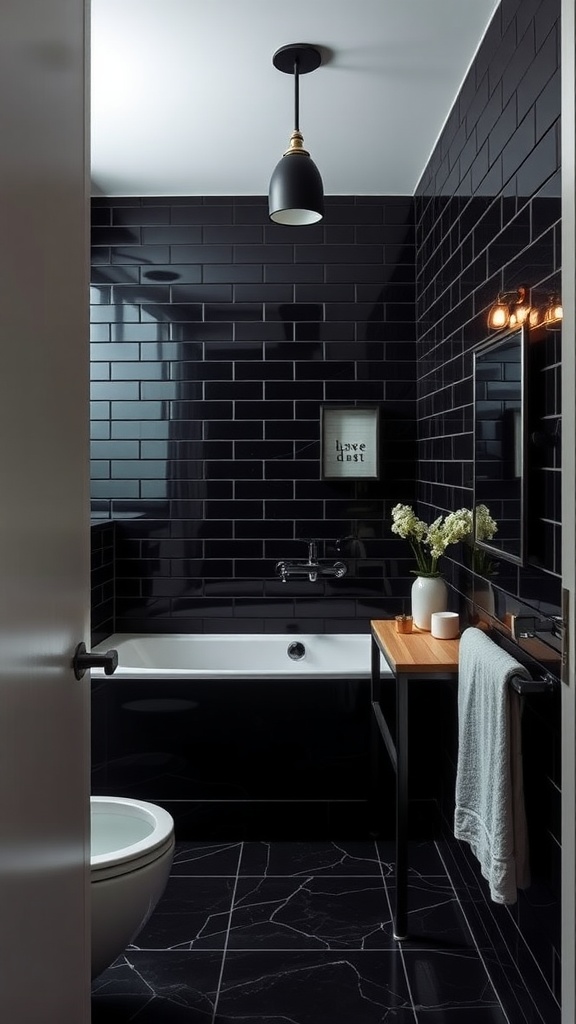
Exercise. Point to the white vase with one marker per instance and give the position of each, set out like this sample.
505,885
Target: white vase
429,594
483,598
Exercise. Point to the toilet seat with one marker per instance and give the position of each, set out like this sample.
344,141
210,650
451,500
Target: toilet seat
113,868
145,833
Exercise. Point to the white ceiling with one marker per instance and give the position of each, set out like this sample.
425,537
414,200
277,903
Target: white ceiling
186,100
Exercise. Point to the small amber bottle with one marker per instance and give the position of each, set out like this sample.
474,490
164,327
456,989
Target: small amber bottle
403,623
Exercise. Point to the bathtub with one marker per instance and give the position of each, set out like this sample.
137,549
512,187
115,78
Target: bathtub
241,656
234,735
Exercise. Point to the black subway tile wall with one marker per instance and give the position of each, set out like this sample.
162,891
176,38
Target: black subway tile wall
217,336
102,580
488,220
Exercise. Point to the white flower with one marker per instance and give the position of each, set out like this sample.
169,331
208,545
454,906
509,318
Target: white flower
430,542
406,525
486,526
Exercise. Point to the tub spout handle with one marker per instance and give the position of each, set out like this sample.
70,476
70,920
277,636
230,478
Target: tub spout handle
83,660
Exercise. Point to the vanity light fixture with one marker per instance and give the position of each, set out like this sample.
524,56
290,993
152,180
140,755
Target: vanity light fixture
499,314
553,313
296,194
549,315
512,309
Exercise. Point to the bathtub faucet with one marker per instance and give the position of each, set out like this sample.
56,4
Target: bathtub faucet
313,568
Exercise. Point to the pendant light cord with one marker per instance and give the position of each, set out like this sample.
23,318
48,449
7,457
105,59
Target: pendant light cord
296,95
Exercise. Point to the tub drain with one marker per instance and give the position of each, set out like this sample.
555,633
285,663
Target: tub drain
296,651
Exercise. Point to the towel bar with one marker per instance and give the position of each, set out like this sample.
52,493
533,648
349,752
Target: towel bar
545,685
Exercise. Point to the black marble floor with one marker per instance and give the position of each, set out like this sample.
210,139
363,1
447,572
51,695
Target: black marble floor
299,933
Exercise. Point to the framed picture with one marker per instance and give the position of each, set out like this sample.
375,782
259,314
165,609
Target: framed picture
349,438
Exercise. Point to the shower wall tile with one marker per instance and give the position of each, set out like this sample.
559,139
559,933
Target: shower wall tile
102,578
488,216
216,338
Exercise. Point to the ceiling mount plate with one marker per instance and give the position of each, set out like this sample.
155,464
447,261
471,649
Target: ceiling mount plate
309,58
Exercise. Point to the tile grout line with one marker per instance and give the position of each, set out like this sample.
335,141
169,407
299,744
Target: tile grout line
225,949
399,951
471,933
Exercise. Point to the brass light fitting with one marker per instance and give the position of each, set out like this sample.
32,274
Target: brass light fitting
512,309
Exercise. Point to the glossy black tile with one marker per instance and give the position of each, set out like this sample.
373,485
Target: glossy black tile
200,254
157,987
194,914
293,274
232,273
139,214
439,980
348,254
171,234
171,273
363,987
310,913
202,858
262,254
293,859
236,233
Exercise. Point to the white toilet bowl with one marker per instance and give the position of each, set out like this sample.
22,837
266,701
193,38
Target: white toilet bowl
132,846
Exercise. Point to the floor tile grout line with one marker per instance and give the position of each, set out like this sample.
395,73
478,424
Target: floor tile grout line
225,947
398,945
521,938
300,875
472,936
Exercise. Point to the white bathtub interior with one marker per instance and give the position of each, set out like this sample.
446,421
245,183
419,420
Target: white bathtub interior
330,656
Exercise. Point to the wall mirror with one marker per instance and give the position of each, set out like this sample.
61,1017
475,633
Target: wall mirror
499,441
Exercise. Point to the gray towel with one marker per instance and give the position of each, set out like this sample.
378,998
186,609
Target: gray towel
490,813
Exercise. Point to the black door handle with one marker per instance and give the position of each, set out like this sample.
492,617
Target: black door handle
83,660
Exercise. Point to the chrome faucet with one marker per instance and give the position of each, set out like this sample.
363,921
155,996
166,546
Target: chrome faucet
313,568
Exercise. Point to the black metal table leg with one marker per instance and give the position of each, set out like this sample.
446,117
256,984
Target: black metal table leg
401,909
407,658
375,743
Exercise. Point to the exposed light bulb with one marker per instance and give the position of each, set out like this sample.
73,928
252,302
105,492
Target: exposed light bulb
498,316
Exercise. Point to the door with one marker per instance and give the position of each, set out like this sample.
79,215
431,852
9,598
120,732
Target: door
44,520
568,512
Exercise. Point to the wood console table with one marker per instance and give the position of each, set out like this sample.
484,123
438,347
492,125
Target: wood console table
409,656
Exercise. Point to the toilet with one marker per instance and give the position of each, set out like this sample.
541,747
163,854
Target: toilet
131,852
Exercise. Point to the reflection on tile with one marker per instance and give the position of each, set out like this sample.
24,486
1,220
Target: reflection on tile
314,988
423,858
440,981
435,918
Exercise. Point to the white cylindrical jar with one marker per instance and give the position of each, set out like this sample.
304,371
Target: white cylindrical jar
429,594
445,625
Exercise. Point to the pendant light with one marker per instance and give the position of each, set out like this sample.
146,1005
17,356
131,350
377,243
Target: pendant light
296,194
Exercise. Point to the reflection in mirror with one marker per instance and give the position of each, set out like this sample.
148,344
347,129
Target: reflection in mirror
499,416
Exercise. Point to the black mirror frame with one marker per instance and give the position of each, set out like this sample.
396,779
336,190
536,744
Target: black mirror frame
488,346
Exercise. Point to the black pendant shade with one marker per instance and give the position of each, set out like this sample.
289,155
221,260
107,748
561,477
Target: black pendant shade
296,194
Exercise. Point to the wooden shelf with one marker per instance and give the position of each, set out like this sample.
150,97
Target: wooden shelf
416,652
